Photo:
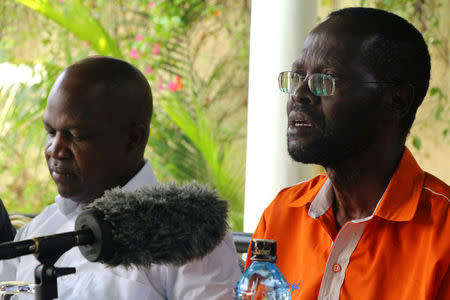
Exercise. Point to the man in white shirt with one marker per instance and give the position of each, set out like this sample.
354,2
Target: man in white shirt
97,118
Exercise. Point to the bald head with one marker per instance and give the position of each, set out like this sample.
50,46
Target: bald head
97,117
115,84
391,48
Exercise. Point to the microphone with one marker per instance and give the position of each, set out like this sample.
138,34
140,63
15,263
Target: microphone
163,224
46,245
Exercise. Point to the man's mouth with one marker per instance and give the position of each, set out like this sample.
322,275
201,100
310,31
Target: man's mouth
60,174
301,123
299,119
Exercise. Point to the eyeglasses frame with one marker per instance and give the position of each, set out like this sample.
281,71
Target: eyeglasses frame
308,77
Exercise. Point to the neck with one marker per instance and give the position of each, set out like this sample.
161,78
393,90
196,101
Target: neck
120,181
137,166
359,182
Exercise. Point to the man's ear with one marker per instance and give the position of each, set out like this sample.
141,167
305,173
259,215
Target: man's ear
137,136
402,99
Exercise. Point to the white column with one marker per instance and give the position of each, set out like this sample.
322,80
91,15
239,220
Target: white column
277,32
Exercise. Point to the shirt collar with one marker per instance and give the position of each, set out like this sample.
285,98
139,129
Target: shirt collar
398,203
309,191
145,177
323,200
401,198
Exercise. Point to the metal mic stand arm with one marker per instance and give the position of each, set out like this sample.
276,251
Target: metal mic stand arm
46,273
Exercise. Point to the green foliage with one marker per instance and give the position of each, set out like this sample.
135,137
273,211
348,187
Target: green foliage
222,169
199,95
78,20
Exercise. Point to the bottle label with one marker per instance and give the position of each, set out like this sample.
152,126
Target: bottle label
261,251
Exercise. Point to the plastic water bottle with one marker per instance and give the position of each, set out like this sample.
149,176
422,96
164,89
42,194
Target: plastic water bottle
262,279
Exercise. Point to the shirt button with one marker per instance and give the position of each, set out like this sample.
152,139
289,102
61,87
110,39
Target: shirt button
336,268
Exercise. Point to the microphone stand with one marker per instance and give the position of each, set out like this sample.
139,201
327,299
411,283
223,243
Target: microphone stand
46,273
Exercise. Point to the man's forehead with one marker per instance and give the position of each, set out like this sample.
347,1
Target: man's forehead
79,89
77,99
329,48
319,50
63,106
344,25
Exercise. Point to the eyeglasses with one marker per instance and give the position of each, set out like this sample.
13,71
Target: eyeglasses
319,84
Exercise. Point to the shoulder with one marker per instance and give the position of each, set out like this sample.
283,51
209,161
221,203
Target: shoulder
433,207
35,224
436,189
299,194
7,231
436,196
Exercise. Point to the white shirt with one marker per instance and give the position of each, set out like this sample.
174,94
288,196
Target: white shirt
212,277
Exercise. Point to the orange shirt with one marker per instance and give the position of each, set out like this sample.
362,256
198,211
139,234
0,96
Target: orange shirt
400,252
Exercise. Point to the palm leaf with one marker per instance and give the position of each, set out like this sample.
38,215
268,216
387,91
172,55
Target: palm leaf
78,20
23,107
225,170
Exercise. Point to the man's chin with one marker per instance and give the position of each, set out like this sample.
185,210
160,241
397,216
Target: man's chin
314,155
306,158
71,194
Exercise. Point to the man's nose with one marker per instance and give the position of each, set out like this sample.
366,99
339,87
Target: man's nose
303,94
57,146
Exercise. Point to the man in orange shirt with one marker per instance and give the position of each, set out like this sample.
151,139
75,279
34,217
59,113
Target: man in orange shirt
375,225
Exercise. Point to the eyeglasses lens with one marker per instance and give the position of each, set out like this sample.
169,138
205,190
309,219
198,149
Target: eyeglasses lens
319,84
285,82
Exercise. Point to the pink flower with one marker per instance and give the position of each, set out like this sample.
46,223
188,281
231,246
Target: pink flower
148,70
134,54
156,48
139,37
151,4
160,87
61,1
172,86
